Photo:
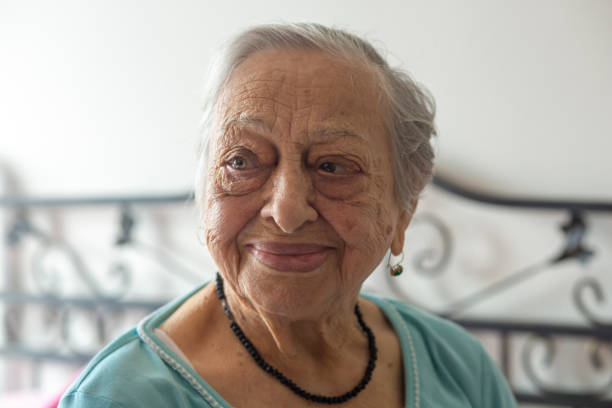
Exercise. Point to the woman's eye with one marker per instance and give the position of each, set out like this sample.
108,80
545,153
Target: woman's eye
240,163
338,168
328,167
242,171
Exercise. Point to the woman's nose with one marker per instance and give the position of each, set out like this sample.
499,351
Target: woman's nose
290,201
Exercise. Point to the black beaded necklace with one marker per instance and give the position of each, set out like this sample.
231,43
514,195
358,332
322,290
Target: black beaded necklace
281,377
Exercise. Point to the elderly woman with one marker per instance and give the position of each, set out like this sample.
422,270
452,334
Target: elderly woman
314,153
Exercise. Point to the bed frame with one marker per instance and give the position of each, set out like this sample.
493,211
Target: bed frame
101,307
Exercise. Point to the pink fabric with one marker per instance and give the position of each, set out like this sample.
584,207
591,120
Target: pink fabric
24,399
53,401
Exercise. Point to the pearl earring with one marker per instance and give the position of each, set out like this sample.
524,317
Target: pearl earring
397,269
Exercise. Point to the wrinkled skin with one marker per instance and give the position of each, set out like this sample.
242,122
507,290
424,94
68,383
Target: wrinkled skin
299,155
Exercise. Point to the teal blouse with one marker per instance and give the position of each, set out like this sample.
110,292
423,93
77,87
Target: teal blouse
444,367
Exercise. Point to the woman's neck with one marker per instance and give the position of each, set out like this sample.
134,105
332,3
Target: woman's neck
317,336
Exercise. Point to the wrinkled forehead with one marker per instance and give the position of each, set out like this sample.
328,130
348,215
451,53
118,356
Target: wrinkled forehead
309,88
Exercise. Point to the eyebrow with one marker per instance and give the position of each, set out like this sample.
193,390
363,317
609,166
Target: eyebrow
328,133
332,133
243,121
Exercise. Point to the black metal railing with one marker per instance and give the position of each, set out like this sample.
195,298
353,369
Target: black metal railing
20,226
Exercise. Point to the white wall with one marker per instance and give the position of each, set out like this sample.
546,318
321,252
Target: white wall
103,97
112,88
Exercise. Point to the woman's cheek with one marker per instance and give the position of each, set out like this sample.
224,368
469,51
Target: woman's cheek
225,217
355,220
339,188
229,206
236,183
359,225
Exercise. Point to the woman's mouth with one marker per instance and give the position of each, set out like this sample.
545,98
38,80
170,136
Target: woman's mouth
290,257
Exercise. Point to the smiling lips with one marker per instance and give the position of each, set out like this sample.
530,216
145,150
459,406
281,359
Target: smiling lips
290,257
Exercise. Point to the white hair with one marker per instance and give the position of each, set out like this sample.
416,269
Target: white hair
411,109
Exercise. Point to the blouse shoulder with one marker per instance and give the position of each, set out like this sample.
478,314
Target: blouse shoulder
128,373
451,363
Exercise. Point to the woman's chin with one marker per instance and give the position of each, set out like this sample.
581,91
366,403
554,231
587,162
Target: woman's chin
286,297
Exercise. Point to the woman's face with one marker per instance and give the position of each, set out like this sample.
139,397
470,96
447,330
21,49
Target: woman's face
299,205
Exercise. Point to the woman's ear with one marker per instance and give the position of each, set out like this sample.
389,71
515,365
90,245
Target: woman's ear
404,218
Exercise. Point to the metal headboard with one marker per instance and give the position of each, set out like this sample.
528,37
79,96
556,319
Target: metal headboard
101,305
